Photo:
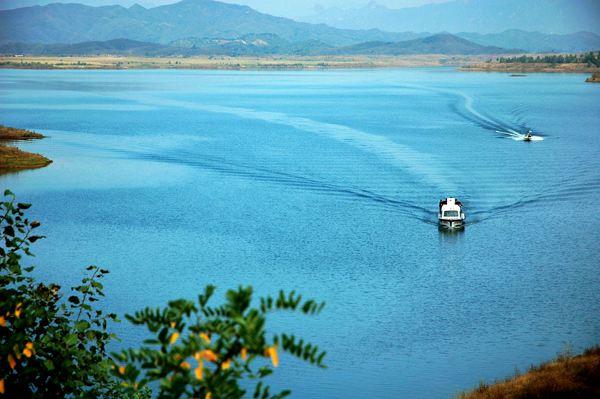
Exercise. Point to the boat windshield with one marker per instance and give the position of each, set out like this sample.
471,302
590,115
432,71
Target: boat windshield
451,214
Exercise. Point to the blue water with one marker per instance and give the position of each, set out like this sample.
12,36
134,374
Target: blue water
327,183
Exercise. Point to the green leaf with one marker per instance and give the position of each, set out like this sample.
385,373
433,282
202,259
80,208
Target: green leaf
33,239
71,339
9,231
74,299
49,365
82,325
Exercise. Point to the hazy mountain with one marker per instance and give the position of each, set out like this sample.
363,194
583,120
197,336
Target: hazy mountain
74,23
537,42
481,16
436,44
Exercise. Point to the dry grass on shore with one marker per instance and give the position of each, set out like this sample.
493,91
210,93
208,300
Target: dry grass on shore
13,159
11,134
565,377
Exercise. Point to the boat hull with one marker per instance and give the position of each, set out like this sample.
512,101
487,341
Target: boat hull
452,224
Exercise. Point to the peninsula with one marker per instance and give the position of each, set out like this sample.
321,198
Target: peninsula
13,159
595,78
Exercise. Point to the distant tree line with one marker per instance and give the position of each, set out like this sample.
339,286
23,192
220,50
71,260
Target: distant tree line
591,58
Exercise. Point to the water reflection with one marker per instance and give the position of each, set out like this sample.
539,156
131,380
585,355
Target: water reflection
451,236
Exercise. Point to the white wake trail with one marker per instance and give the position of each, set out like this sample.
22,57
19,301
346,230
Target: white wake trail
468,104
419,164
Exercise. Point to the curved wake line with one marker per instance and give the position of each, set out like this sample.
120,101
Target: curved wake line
476,117
417,163
294,181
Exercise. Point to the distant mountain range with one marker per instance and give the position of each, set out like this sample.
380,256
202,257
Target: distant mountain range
193,27
482,16
75,23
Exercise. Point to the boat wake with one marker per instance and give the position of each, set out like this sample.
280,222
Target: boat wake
420,165
466,109
423,166
270,176
519,136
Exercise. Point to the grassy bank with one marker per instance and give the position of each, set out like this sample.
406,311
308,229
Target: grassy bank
567,376
13,159
235,63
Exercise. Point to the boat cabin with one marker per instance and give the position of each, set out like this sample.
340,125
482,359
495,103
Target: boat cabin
450,212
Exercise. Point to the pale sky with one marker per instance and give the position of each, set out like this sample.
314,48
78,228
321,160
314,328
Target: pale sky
285,8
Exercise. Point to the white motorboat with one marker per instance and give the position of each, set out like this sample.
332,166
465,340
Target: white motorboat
451,214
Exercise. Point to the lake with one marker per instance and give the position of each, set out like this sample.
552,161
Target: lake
327,182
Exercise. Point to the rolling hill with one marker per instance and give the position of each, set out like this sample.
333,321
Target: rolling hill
267,44
115,46
437,44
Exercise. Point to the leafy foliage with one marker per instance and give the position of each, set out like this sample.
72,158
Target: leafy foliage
54,345
49,347
220,347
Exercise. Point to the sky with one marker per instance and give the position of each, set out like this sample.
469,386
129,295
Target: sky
284,8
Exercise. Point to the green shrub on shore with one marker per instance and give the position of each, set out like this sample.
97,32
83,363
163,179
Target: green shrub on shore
53,343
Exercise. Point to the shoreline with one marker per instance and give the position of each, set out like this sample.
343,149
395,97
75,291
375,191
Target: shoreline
285,63
529,68
13,159
110,62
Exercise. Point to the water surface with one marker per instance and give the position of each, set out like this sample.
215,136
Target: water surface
327,183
